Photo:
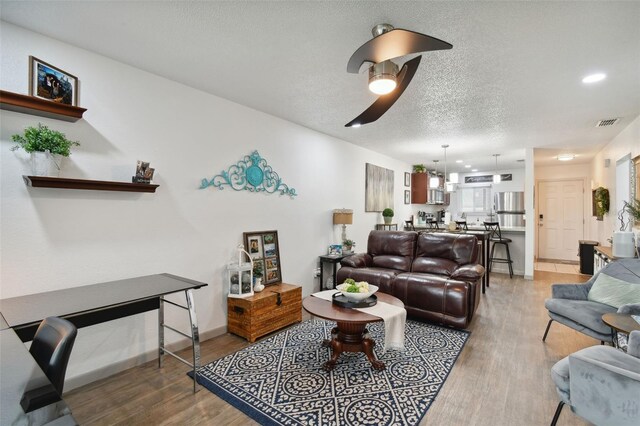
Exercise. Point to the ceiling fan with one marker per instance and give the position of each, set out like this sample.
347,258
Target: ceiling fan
385,77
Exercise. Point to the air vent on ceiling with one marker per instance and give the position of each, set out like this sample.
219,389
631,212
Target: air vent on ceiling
609,122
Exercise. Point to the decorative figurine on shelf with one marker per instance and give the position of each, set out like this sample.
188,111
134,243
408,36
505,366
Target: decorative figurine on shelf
240,275
144,173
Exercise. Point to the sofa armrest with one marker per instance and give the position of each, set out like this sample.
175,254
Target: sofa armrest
469,272
570,291
359,260
630,309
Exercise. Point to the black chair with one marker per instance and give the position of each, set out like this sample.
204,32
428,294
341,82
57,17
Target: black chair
409,224
497,238
462,224
432,223
51,348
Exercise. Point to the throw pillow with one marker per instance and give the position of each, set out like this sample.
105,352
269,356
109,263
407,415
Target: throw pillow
613,292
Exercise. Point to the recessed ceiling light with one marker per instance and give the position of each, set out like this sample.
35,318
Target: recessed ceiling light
458,161
474,170
566,157
466,166
594,78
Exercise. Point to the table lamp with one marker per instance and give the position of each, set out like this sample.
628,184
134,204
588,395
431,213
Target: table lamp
343,217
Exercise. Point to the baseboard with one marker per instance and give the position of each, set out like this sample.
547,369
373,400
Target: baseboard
111,369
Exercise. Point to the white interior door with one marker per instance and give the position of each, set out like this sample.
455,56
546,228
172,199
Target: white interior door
560,219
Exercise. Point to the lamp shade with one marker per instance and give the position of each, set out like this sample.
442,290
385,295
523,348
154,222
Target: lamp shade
342,217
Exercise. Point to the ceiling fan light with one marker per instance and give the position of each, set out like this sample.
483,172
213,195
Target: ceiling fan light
382,77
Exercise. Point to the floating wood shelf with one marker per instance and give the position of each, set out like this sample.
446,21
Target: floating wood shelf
41,107
96,185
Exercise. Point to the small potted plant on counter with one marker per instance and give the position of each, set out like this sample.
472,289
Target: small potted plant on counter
347,246
257,276
387,214
47,148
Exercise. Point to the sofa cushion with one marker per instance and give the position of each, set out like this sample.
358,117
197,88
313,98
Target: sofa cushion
392,249
439,253
613,291
383,278
582,312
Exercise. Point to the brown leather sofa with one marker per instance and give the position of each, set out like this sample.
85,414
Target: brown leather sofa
436,275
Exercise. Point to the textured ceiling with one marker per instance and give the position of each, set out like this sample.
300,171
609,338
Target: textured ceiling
512,79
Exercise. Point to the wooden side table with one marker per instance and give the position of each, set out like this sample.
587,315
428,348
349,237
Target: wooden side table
275,307
620,323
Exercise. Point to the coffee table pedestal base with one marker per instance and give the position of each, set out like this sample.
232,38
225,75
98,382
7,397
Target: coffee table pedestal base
351,337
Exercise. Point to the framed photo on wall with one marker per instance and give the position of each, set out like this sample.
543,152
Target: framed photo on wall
264,250
51,83
407,197
407,179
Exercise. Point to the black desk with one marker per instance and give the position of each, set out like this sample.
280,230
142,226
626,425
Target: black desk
20,375
334,261
97,303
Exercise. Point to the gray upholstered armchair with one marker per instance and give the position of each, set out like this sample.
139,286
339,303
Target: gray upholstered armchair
601,384
570,303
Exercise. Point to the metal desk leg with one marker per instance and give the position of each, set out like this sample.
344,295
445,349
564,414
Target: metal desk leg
161,332
195,336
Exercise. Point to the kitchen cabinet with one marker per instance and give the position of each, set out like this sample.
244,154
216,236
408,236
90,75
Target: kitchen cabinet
474,200
422,193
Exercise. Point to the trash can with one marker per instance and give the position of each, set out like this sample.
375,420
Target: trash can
585,251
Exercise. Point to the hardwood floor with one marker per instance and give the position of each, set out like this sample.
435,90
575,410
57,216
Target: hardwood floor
502,376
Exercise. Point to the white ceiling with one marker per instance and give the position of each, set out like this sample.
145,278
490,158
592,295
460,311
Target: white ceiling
512,79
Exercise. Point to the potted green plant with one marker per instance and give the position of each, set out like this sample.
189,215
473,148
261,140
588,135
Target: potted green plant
47,148
347,246
387,214
633,208
257,276
601,197
419,168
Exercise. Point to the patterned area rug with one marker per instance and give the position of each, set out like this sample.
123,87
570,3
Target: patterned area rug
280,380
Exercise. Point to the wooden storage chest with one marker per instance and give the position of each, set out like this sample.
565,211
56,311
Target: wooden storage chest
277,306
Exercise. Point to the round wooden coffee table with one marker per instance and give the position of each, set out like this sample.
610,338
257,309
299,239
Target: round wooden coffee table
351,334
620,323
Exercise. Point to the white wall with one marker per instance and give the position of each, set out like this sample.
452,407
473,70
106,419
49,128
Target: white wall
54,239
627,141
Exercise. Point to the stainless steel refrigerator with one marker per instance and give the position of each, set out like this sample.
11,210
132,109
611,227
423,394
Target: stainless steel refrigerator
509,207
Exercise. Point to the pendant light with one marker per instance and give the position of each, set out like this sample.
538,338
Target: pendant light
434,181
450,186
496,177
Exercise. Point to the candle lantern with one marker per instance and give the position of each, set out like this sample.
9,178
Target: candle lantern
240,275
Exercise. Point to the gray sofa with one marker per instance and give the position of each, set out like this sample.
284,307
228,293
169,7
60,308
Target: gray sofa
601,384
570,306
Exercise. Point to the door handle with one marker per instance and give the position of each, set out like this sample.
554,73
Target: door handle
540,224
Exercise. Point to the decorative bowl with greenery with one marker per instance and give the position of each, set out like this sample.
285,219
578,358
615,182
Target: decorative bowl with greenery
387,214
601,197
42,139
419,168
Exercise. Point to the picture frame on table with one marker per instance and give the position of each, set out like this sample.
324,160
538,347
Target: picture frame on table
52,83
407,179
335,250
407,197
263,247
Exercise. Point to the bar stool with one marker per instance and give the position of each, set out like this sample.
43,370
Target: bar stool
462,224
497,238
409,224
432,223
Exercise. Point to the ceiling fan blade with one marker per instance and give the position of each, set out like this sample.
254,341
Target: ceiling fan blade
384,102
392,44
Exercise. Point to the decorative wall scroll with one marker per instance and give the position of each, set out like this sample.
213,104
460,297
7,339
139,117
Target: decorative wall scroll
252,174
378,188
487,178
